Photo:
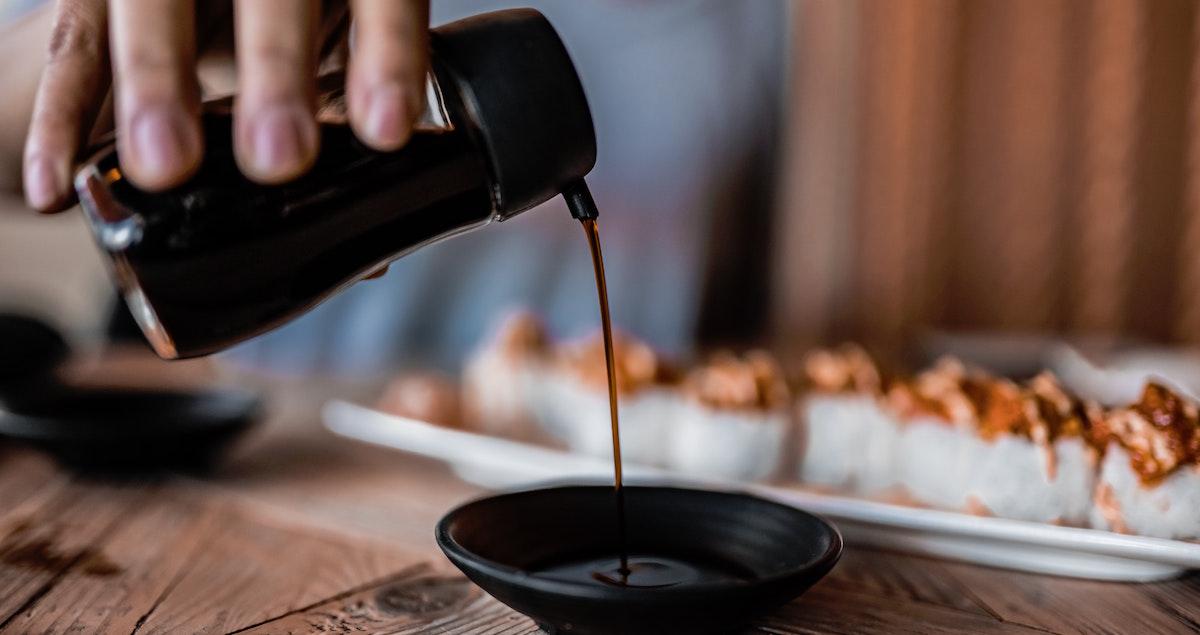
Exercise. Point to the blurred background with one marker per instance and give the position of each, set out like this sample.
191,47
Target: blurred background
1026,166
795,173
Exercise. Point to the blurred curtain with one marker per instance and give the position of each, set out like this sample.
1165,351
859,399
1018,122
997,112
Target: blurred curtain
1027,165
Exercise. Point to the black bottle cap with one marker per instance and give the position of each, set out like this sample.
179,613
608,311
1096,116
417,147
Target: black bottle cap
520,89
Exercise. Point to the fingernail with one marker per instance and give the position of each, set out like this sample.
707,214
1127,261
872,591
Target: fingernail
160,145
277,147
387,117
42,187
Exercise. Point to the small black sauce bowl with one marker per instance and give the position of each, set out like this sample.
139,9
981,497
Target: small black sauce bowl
128,430
497,541
30,350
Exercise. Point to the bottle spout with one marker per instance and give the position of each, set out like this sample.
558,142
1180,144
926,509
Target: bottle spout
579,201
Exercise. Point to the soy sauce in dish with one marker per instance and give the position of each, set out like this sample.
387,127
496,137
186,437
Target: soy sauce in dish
641,570
644,572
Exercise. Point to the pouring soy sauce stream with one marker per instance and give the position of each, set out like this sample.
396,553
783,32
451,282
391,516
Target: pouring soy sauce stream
593,236
583,207
655,570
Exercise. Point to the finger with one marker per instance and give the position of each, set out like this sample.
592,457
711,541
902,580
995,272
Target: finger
72,87
275,130
386,80
157,101
215,66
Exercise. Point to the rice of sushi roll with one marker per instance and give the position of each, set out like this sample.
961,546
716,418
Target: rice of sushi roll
499,375
571,398
734,421
846,439
986,445
1149,480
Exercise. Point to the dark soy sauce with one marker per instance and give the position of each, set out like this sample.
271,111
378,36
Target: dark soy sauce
593,237
643,571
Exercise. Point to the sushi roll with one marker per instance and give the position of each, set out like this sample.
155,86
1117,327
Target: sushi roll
986,445
936,424
846,439
498,377
1034,456
1149,481
424,396
570,398
734,421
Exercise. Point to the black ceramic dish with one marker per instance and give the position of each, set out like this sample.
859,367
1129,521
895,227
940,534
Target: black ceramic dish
122,430
498,541
29,351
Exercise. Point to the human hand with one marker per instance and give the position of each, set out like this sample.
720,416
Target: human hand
155,47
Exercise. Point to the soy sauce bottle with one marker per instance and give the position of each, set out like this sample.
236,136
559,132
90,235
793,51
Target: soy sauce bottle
221,259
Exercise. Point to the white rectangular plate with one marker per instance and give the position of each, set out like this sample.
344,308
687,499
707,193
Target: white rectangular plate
497,463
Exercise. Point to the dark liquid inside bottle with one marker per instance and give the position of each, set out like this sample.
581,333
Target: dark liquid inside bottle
223,259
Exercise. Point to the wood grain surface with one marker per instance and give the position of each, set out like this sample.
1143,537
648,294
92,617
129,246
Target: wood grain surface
302,532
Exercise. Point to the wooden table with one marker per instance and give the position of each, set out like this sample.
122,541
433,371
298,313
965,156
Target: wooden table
302,532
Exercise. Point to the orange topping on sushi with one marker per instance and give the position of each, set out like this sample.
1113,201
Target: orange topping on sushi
638,366
936,393
521,332
847,368
1040,411
753,381
1000,407
1048,404
1161,432
1110,508
428,397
